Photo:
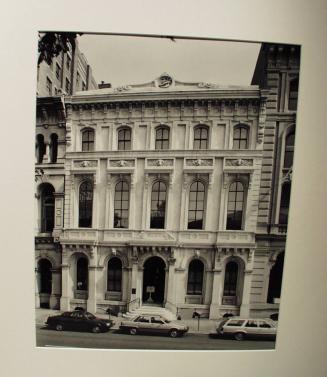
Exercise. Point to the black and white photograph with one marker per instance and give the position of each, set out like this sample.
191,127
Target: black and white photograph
163,175
163,188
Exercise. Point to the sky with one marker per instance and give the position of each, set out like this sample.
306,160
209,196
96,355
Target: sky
124,60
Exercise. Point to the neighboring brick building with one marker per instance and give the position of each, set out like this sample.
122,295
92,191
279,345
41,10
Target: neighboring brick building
168,192
69,72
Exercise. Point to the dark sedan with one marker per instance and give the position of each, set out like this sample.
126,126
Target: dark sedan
79,321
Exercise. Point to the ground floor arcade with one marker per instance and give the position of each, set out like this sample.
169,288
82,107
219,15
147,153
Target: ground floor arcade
211,281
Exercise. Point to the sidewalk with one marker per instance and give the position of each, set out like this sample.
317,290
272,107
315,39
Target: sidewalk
206,325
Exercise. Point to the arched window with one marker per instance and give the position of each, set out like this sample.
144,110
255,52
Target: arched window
44,269
88,140
162,138
82,274
124,139
289,150
293,94
121,205
200,137
235,206
195,277
40,148
284,203
240,137
47,209
158,205
53,148
196,206
230,283
275,279
114,276
85,204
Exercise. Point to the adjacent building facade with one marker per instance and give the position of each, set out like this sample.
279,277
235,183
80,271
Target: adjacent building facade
68,73
167,193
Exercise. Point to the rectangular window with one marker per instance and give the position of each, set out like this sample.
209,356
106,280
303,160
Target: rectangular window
49,86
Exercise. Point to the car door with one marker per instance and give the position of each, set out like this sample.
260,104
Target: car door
251,327
159,326
144,324
266,329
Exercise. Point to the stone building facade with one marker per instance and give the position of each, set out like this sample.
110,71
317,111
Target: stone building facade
68,73
167,193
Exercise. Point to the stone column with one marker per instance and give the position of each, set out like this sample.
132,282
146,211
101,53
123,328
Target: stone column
108,202
245,305
37,284
46,157
145,201
217,287
171,297
183,204
67,290
223,203
59,210
91,301
55,288
131,224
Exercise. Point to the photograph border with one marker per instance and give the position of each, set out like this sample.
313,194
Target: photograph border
295,354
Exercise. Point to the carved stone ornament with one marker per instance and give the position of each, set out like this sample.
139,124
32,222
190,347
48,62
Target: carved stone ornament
121,163
199,162
123,88
239,162
86,164
165,81
160,162
207,85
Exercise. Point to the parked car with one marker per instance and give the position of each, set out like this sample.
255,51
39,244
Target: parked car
79,320
241,328
153,325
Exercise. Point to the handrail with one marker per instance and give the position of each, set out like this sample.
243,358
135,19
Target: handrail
137,299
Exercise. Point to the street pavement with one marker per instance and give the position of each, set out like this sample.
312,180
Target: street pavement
203,339
114,339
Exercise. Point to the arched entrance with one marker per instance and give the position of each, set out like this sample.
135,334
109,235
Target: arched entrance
275,279
45,282
154,281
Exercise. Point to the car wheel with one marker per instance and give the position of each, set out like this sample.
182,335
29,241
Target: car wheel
173,333
239,336
96,329
59,327
133,331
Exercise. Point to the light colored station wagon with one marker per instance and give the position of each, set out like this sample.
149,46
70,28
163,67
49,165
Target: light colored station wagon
241,328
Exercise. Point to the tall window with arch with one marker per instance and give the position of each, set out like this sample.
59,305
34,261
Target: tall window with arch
162,138
230,282
196,205
85,204
201,136
284,203
88,140
82,274
121,206
114,276
158,205
47,208
124,139
289,150
235,206
40,148
240,137
195,277
53,148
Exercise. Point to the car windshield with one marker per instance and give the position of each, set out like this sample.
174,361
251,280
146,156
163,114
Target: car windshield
166,321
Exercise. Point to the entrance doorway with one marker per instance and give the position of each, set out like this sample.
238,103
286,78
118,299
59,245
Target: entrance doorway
154,275
45,282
